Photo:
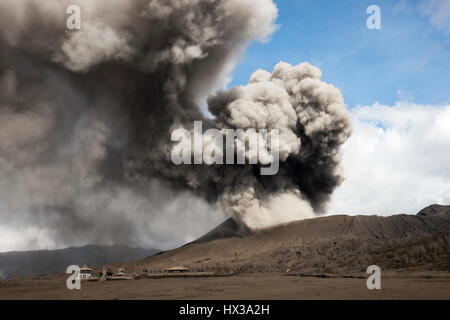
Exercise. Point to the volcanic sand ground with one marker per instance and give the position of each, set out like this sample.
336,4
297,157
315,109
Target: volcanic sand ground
253,286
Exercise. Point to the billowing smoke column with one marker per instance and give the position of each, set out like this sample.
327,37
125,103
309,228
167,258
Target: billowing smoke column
86,116
313,123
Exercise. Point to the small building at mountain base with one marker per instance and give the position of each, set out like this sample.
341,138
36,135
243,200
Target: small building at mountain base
85,272
177,269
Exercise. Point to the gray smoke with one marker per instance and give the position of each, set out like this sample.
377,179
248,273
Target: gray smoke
313,123
86,117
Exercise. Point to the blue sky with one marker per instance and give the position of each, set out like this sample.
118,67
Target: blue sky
409,58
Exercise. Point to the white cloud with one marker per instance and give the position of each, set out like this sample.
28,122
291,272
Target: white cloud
397,161
439,13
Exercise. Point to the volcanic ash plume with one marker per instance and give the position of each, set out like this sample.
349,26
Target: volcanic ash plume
313,123
86,118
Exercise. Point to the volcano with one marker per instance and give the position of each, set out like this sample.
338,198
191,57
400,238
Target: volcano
337,244
229,229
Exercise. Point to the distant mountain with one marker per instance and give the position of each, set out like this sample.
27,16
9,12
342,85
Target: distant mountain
33,263
435,210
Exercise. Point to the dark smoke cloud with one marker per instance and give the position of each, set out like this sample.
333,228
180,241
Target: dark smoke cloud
313,123
86,117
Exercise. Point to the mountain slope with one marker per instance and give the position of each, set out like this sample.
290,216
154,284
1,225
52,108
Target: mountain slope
334,244
435,210
32,263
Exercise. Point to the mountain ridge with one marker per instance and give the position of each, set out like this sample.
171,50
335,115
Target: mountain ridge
35,262
335,244
436,210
